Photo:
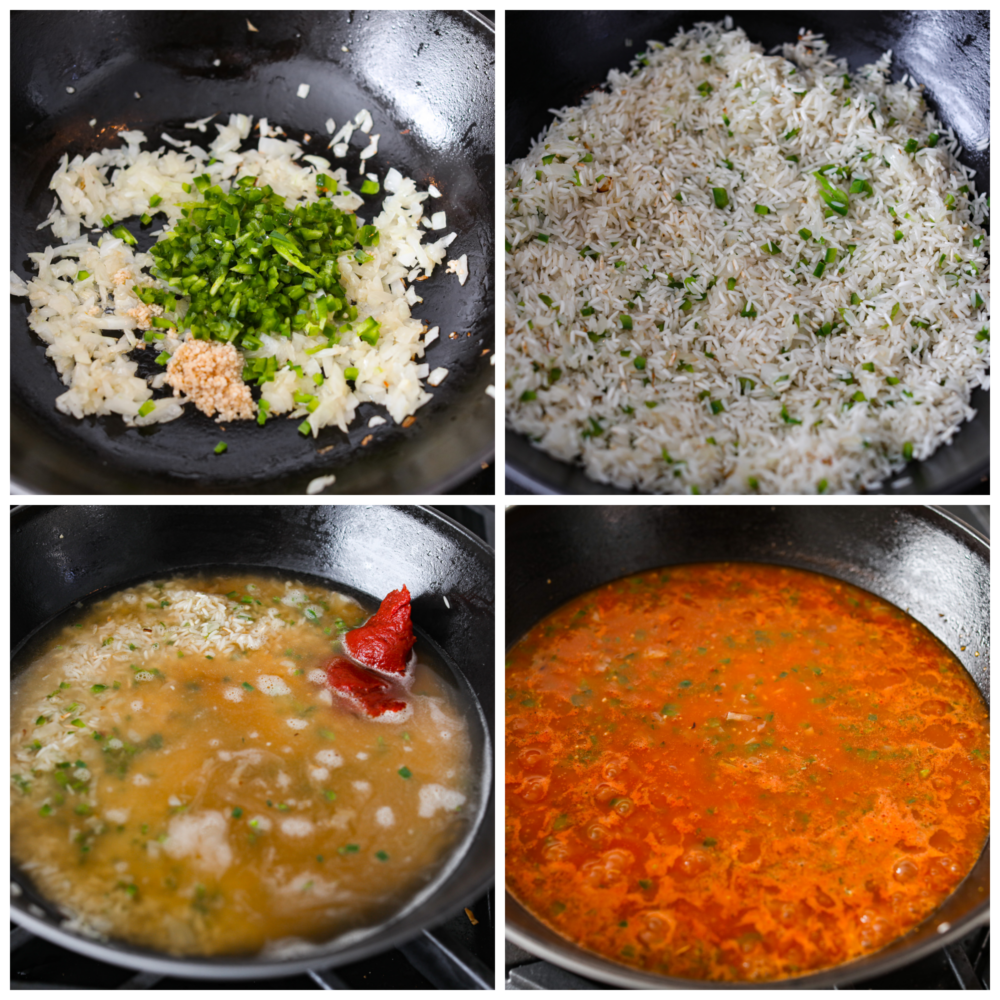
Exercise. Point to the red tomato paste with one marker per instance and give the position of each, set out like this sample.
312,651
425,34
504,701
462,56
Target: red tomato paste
385,640
372,693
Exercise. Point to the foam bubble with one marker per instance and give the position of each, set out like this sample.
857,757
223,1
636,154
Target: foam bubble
435,797
202,837
272,685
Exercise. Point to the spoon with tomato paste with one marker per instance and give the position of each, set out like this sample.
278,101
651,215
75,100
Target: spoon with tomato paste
382,644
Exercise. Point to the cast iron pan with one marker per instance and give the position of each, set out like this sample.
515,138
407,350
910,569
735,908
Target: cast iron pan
66,554
561,57
918,558
428,72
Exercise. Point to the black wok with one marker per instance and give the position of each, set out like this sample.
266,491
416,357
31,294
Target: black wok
63,555
559,57
919,558
428,72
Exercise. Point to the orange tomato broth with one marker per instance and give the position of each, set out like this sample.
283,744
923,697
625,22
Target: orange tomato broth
739,772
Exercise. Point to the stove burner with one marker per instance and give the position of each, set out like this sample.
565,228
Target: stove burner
456,955
964,965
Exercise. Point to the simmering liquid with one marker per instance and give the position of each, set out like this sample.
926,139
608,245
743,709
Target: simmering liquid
184,778
739,772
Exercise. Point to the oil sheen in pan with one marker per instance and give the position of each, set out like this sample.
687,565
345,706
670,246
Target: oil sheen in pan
167,771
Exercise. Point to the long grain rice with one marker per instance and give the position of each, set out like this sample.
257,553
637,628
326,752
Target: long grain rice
672,345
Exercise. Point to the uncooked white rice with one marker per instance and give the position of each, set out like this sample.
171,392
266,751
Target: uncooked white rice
669,344
72,316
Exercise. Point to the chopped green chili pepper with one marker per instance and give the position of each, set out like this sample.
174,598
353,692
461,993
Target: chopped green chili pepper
247,261
369,331
220,447
834,197
369,187
123,234
82,275
761,209
147,408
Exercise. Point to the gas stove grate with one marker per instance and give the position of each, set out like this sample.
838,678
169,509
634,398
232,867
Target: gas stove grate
964,965
455,955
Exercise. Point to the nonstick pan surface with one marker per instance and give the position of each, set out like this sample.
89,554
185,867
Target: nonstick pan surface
67,554
918,558
424,73
560,57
